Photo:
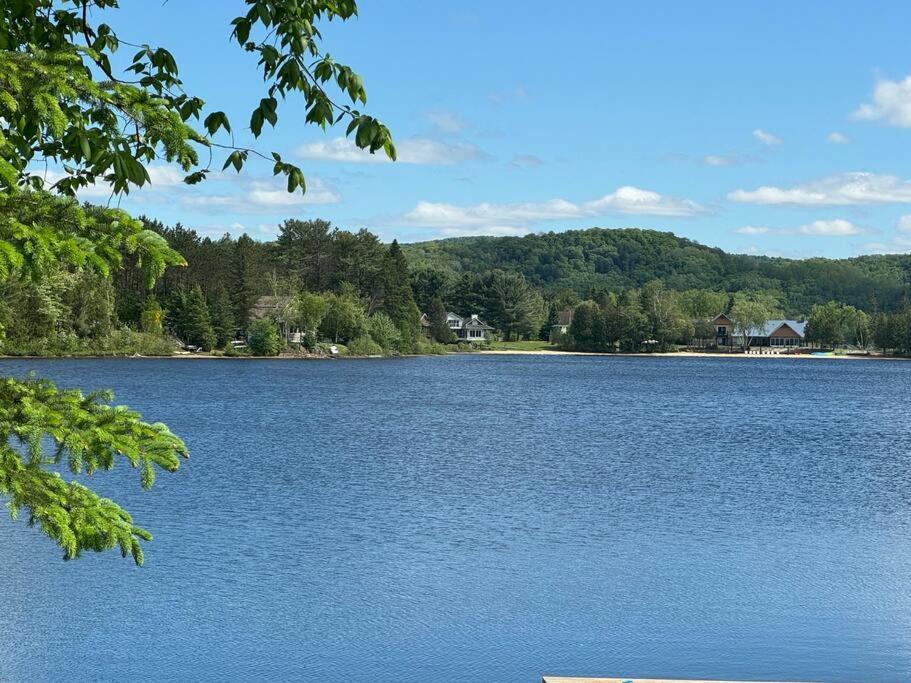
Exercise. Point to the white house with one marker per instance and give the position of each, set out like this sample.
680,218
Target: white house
471,329
564,320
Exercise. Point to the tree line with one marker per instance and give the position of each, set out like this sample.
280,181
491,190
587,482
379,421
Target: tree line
596,260
324,282
346,287
656,318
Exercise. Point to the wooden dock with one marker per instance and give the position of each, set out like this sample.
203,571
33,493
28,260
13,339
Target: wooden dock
563,679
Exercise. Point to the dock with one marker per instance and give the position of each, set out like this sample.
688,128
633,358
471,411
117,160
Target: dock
627,679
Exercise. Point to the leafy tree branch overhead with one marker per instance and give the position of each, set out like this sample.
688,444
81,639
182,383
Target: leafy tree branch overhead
64,104
61,102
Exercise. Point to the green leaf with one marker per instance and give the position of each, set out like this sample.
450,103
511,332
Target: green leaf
217,120
85,147
256,122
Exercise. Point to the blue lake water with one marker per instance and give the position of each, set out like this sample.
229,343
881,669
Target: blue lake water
489,518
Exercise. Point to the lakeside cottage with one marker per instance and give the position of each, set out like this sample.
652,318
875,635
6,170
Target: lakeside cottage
471,329
774,333
275,308
564,320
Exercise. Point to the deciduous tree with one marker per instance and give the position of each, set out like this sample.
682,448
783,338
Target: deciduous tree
749,312
62,101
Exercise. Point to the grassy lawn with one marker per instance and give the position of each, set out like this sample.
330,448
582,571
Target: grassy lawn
522,346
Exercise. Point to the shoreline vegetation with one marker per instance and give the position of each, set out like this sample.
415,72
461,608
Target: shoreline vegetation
317,287
494,349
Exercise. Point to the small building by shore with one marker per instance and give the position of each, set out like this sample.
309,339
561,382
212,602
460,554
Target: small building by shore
778,333
471,329
564,320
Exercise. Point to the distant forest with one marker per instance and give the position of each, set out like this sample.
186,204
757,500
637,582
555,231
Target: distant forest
349,286
590,262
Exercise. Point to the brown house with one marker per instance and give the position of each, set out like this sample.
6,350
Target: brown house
724,329
774,333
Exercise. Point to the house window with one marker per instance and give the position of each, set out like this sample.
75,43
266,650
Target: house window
722,331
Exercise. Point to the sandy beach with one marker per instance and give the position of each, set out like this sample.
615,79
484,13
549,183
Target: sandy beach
686,354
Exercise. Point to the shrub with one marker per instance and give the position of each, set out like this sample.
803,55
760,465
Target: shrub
466,347
564,341
232,351
427,348
364,346
325,348
263,339
119,342
384,332
152,317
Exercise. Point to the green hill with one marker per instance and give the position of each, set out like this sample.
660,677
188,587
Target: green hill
592,260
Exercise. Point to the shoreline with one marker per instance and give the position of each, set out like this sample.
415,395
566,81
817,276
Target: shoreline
685,354
485,352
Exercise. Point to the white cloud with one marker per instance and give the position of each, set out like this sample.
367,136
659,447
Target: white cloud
259,195
233,192
836,227
161,177
837,138
516,94
268,194
891,103
445,121
828,228
340,149
434,152
494,230
904,223
766,138
731,159
838,190
633,200
898,245
489,218
442,215
423,151
715,160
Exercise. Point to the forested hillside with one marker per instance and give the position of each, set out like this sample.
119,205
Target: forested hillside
348,286
589,262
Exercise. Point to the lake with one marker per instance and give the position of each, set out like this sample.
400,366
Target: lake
489,518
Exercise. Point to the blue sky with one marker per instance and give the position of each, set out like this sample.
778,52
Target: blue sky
778,128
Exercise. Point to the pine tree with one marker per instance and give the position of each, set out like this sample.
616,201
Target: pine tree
243,279
197,324
439,328
398,299
306,251
222,317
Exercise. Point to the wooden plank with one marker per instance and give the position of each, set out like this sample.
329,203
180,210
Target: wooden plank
562,679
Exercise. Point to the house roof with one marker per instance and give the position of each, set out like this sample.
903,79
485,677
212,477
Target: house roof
265,306
425,321
772,325
477,324
473,321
